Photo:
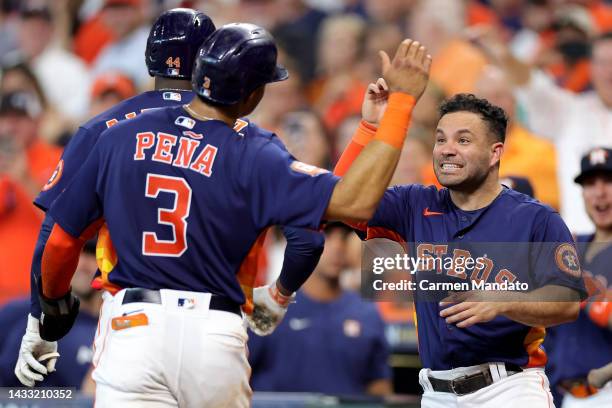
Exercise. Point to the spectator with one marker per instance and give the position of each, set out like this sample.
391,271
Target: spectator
456,63
576,123
578,347
126,19
305,138
340,338
75,348
64,78
25,165
108,90
525,154
54,128
338,92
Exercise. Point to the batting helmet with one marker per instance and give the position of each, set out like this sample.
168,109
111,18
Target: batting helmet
233,62
174,40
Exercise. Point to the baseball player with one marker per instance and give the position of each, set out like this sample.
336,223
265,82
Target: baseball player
171,48
577,348
479,353
186,197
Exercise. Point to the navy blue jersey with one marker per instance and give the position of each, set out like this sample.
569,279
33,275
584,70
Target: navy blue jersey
75,348
428,218
342,348
185,201
576,348
87,135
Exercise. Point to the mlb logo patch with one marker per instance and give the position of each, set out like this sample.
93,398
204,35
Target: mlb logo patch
172,71
172,96
185,122
187,303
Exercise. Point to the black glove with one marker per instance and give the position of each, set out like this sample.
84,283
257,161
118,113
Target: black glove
58,316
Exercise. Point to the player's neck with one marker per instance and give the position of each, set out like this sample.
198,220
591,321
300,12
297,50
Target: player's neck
172,84
479,197
322,289
201,111
603,235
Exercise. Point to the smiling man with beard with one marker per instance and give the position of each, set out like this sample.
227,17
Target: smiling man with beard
479,348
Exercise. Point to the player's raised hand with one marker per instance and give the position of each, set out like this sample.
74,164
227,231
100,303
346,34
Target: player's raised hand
408,71
270,308
375,102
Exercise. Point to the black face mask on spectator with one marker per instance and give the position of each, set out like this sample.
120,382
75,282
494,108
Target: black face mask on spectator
574,51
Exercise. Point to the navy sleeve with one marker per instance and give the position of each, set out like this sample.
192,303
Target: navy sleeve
80,205
74,155
393,214
43,236
288,192
555,260
304,248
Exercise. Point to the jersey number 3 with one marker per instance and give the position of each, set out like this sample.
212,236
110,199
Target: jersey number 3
175,217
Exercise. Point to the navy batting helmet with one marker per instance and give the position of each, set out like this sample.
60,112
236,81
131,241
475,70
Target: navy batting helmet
233,62
174,40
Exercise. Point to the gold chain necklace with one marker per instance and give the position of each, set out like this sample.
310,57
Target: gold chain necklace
196,115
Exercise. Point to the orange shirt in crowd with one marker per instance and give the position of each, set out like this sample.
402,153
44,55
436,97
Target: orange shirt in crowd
20,222
91,37
526,155
602,15
457,67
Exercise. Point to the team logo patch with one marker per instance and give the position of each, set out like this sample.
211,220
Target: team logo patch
57,174
352,328
567,260
307,169
185,122
598,156
172,96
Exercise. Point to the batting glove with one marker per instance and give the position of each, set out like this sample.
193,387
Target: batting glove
34,351
269,309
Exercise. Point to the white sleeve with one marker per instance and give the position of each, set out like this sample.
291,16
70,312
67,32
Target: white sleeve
546,105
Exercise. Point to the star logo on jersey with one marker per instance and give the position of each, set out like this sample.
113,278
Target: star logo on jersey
598,156
352,328
57,174
427,213
567,260
299,324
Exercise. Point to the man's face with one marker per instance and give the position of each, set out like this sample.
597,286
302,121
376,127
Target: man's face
601,69
464,152
20,127
597,194
333,260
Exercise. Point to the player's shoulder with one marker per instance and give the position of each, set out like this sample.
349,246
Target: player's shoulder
418,194
519,203
132,107
584,237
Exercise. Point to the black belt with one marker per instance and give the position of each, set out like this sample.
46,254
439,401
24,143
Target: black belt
470,383
141,295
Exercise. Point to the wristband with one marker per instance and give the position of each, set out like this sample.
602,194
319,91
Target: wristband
396,120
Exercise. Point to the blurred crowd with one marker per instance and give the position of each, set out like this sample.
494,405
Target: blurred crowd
548,63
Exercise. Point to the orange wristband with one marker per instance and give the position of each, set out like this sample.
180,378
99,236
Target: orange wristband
396,120
365,133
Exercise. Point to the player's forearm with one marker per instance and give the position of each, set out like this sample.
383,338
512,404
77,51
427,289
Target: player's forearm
357,195
518,71
59,262
35,274
304,248
547,306
363,135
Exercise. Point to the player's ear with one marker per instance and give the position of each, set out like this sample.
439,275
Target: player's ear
497,149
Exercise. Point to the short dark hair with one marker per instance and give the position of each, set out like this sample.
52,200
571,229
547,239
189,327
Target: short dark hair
494,116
